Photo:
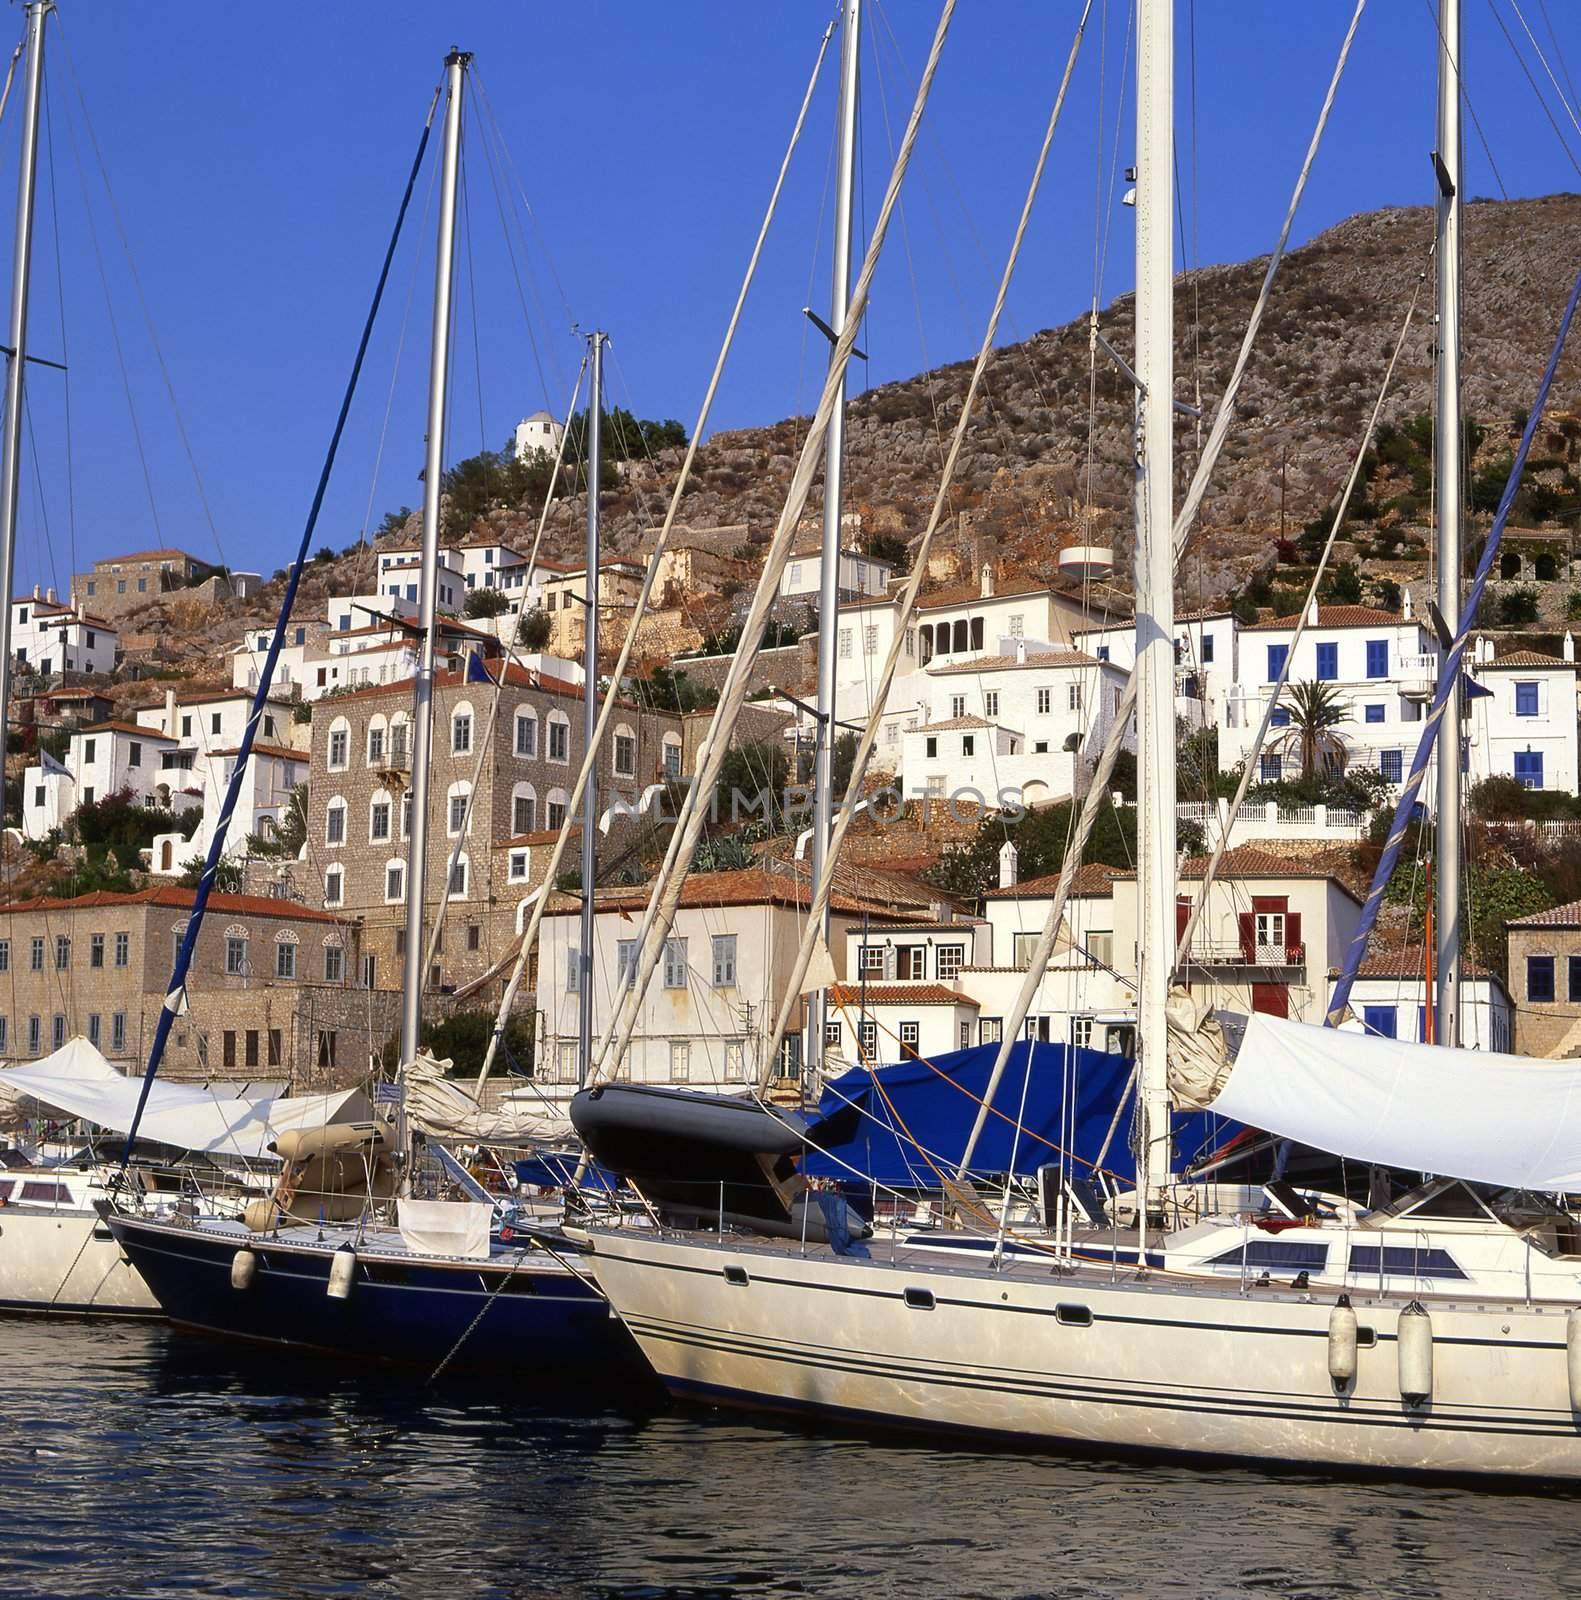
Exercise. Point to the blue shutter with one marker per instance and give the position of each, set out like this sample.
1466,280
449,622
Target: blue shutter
1276,660
1539,977
1327,662
1529,768
1526,699
1391,766
1374,713
1377,658
1379,1020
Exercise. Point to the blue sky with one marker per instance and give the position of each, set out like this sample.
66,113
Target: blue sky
256,154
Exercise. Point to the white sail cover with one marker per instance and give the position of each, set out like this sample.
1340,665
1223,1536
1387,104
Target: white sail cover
445,1227
1456,1113
442,1108
78,1082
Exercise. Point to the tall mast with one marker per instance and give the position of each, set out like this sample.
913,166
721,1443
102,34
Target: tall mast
595,442
1155,593
433,474
833,475
11,439
1449,513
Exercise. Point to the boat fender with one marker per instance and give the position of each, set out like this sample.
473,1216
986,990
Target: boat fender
1342,1343
507,1233
342,1272
1414,1348
1573,1355
244,1264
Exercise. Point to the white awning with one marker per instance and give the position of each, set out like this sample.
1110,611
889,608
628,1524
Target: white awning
184,1116
1473,1114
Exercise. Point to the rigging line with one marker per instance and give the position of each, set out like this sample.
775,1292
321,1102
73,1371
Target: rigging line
205,887
910,595
1537,94
1114,157
1249,766
1563,98
1542,6
65,353
665,899
535,916
115,332
1180,533
1448,674
472,293
142,299
1465,95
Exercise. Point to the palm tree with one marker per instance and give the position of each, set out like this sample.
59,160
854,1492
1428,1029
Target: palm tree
1315,710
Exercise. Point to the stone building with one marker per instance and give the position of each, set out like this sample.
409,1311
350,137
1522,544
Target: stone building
1545,981
273,991
119,584
359,807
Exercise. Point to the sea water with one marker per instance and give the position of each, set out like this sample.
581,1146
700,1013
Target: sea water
135,1461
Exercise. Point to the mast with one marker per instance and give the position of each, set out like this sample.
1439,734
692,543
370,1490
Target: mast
833,475
595,344
413,975
11,438
1155,595
1449,514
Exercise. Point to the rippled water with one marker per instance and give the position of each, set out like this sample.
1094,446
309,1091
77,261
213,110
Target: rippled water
137,1462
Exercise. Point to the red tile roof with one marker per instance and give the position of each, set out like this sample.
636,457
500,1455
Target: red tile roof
134,728
1033,658
1527,659
180,900
280,751
150,555
543,836
953,723
516,678
1406,963
1565,916
1340,617
1092,880
897,994
1248,861
744,886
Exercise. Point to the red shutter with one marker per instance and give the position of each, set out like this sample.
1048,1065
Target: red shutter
1182,917
1293,950
1248,936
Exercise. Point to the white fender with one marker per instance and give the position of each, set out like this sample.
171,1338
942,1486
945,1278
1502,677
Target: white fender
1414,1347
1573,1356
1342,1343
244,1264
342,1272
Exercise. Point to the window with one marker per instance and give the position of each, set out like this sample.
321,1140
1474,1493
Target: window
554,814
379,820
1018,623
335,822
134,753
36,955
516,871
339,742
1374,713
236,956
963,1035
675,964
1377,658
958,705
326,1047
5,955
334,963
930,747
1102,652
870,961
57,1030
1045,702
395,881
968,744
672,761
228,1047
845,644
35,1036
458,878
1073,697
1539,978
96,950
991,703
461,733
559,740
1276,660
867,1032
458,812
735,1058
370,970
285,960
406,816
94,1034
123,949
375,744
1391,765
991,1030
625,963
88,747
118,1031
831,1036
251,1046
1327,662
910,1037
1379,1020
1575,977
1404,1259
911,961
1529,768
949,960
524,814
724,960
276,1047
1207,650
625,755
186,727
1023,946
62,953
680,1060
1270,769
526,734
334,887
870,640
1526,699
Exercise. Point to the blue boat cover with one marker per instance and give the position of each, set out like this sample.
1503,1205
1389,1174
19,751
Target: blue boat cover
551,1169
920,1111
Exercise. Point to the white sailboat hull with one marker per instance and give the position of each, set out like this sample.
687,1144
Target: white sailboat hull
1160,1365
67,1262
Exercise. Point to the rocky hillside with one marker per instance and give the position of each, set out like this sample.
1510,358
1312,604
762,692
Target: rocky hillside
1043,466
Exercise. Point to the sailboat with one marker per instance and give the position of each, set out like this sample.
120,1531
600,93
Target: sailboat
476,1282
1418,1367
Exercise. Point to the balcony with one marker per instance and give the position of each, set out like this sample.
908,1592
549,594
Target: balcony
1205,953
1418,677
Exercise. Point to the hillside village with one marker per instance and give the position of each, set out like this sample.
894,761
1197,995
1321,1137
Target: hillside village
133,690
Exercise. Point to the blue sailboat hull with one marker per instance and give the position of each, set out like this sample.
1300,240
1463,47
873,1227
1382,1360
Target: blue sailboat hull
518,1310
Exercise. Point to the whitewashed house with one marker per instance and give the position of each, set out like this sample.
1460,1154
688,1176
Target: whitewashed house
536,434
1389,999
49,638
1205,659
861,575
1524,725
102,760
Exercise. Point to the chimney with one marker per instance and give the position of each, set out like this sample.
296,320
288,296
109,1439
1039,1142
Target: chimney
1405,603
170,713
38,594
988,580
1008,857
1569,648
49,595
1021,649
1312,613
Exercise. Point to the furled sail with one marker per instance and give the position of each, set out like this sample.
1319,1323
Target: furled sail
438,1106
1199,1054
1468,1114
